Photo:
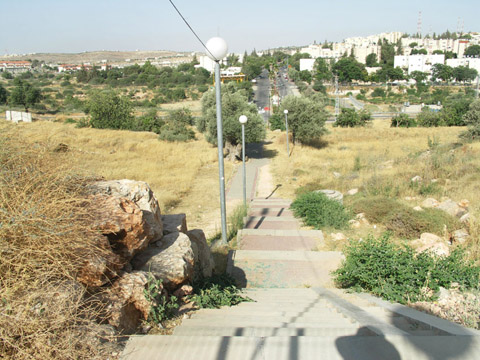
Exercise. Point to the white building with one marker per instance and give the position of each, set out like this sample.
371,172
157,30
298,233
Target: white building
307,64
472,63
421,63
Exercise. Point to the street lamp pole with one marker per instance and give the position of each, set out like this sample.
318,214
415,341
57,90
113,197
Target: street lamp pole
217,50
286,127
243,120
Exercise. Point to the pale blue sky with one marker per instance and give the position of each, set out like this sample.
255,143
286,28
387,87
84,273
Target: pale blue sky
75,26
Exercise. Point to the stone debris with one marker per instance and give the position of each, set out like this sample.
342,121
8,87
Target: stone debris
352,192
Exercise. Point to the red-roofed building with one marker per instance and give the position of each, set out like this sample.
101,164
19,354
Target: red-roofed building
15,66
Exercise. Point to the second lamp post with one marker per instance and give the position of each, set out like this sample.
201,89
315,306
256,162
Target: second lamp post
243,119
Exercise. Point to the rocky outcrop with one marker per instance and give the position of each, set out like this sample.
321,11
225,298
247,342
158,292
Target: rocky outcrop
432,243
174,223
171,260
332,195
452,208
140,193
203,258
126,305
123,223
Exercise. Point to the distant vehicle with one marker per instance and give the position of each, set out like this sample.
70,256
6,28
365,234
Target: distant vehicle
254,81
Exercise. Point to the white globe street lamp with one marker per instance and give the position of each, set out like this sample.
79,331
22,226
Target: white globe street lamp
286,128
216,50
243,120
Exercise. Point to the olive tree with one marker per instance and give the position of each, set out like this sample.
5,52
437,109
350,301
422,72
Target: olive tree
306,118
109,111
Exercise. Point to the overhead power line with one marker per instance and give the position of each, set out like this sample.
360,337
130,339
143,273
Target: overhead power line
191,29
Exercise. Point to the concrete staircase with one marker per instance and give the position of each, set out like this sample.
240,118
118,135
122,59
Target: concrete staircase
296,314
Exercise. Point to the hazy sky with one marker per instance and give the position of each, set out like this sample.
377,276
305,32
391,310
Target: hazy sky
28,26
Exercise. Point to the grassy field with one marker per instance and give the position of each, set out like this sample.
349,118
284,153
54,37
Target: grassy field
183,176
380,161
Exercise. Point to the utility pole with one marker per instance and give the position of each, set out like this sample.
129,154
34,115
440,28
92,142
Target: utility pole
337,99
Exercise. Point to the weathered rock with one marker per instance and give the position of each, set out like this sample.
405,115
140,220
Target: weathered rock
410,198
123,223
171,260
126,305
451,207
416,179
140,193
354,224
432,243
418,208
460,236
336,175
203,259
464,204
362,219
332,194
174,223
430,203
101,266
352,192
338,237
465,218
183,291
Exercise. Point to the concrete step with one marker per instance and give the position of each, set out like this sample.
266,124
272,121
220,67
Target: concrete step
278,243
274,323
271,222
264,311
268,331
283,269
315,234
269,202
356,347
275,212
231,318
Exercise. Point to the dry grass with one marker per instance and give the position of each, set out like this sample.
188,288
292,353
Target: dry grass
43,217
380,160
183,176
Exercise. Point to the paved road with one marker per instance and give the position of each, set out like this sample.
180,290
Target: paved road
262,93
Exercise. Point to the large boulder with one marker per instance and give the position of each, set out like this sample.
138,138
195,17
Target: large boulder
203,259
170,260
432,243
99,266
332,195
174,223
125,302
123,223
140,193
452,208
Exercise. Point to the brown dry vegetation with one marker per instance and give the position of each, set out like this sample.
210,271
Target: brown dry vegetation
380,160
43,239
183,176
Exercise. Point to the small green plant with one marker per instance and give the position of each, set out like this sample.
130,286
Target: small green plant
217,291
317,210
357,166
399,273
70,121
163,308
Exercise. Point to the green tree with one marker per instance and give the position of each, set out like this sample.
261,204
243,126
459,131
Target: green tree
306,76
109,111
472,50
419,52
472,119
351,118
306,118
463,73
3,95
442,72
387,53
418,76
371,60
322,70
349,69
234,104
24,94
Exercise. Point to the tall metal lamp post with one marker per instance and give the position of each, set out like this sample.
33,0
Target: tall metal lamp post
286,128
243,121
217,50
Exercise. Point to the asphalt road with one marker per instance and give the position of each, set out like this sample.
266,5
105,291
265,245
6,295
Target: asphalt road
262,94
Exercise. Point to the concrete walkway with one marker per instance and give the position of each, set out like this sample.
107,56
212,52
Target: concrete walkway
296,313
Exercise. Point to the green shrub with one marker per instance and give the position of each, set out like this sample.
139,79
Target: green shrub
429,118
398,273
163,307
403,120
277,121
216,291
70,121
317,210
378,92
171,132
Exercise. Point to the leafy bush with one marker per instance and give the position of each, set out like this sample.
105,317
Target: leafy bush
399,274
317,210
429,118
216,291
172,132
277,121
378,92
163,307
351,118
403,120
